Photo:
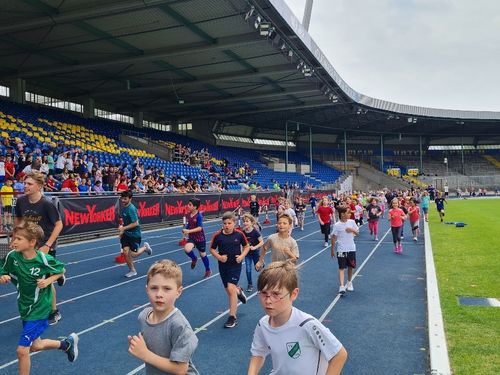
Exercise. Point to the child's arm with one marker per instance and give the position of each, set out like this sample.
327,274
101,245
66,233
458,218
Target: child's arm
43,283
194,230
216,255
336,364
255,365
4,279
334,241
137,347
259,245
266,246
243,254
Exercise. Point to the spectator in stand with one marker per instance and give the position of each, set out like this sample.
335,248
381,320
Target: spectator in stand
121,185
50,184
2,169
69,163
19,183
61,163
83,188
98,189
10,168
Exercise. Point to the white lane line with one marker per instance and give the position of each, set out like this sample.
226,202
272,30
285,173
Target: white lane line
118,265
114,285
113,319
337,297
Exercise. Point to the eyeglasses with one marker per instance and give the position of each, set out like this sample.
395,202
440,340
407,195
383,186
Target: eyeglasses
273,296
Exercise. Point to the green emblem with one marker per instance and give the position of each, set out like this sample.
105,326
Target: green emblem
293,349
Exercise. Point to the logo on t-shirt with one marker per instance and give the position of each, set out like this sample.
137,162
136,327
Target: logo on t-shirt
293,349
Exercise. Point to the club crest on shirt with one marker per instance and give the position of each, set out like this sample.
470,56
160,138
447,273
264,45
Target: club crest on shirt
293,349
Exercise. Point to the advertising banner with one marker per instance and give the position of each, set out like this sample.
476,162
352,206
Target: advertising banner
80,215
148,208
175,206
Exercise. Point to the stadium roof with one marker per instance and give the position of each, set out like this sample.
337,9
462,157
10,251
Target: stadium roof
247,62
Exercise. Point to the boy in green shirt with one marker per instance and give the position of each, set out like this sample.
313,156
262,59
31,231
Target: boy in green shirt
33,272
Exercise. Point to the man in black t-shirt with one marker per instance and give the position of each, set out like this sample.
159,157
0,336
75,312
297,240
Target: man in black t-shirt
34,207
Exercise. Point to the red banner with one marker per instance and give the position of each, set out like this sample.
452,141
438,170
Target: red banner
81,215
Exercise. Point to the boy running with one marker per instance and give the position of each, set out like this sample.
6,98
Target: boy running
255,241
130,233
230,247
440,201
166,341
196,236
343,234
33,272
283,246
298,343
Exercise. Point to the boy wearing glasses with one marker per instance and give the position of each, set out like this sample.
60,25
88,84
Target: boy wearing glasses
297,342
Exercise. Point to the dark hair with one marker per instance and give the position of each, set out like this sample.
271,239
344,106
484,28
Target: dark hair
195,202
342,209
126,194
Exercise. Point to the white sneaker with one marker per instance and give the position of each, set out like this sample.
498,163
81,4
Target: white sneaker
415,239
350,288
131,274
326,244
342,290
149,250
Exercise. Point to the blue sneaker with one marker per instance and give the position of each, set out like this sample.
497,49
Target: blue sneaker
72,351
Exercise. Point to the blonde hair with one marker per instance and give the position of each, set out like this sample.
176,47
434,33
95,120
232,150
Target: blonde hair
279,275
167,268
29,230
249,217
38,177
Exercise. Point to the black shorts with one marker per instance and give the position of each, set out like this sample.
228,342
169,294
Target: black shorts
7,209
132,243
347,259
229,274
201,246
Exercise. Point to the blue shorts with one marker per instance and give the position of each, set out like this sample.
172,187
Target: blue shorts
201,246
131,242
229,274
32,330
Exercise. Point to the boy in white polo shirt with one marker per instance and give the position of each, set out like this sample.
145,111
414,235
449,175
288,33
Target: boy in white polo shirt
343,234
298,343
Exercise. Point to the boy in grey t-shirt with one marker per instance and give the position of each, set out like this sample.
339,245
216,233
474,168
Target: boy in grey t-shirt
166,341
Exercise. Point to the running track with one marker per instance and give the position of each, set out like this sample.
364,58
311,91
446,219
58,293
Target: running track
382,323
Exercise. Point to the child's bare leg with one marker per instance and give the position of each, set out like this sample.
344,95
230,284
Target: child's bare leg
349,274
232,295
341,276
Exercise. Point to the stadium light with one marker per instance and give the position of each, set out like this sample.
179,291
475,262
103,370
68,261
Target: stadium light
249,13
265,28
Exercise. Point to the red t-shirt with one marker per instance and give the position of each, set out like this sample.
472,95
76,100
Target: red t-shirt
324,213
396,217
10,169
414,213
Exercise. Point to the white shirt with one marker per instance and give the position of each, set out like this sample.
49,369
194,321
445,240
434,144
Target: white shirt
296,346
345,241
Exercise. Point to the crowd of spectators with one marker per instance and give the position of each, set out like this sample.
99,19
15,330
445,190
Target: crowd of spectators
74,172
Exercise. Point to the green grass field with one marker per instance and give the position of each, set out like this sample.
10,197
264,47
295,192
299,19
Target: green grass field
468,264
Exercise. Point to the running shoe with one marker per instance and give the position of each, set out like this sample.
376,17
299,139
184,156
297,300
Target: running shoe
326,244
341,290
241,296
208,273
131,274
193,263
149,250
54,317
249,289
231,322
72,351
61,281
350,287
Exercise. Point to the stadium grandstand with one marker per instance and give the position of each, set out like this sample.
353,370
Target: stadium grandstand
209,97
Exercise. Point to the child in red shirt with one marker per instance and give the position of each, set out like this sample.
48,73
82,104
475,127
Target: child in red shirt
414,214
325,215
396,217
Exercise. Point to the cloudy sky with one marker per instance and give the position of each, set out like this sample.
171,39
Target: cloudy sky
430,53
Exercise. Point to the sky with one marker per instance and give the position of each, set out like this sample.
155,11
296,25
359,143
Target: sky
430,53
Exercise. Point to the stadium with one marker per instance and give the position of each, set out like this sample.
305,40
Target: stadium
219,101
